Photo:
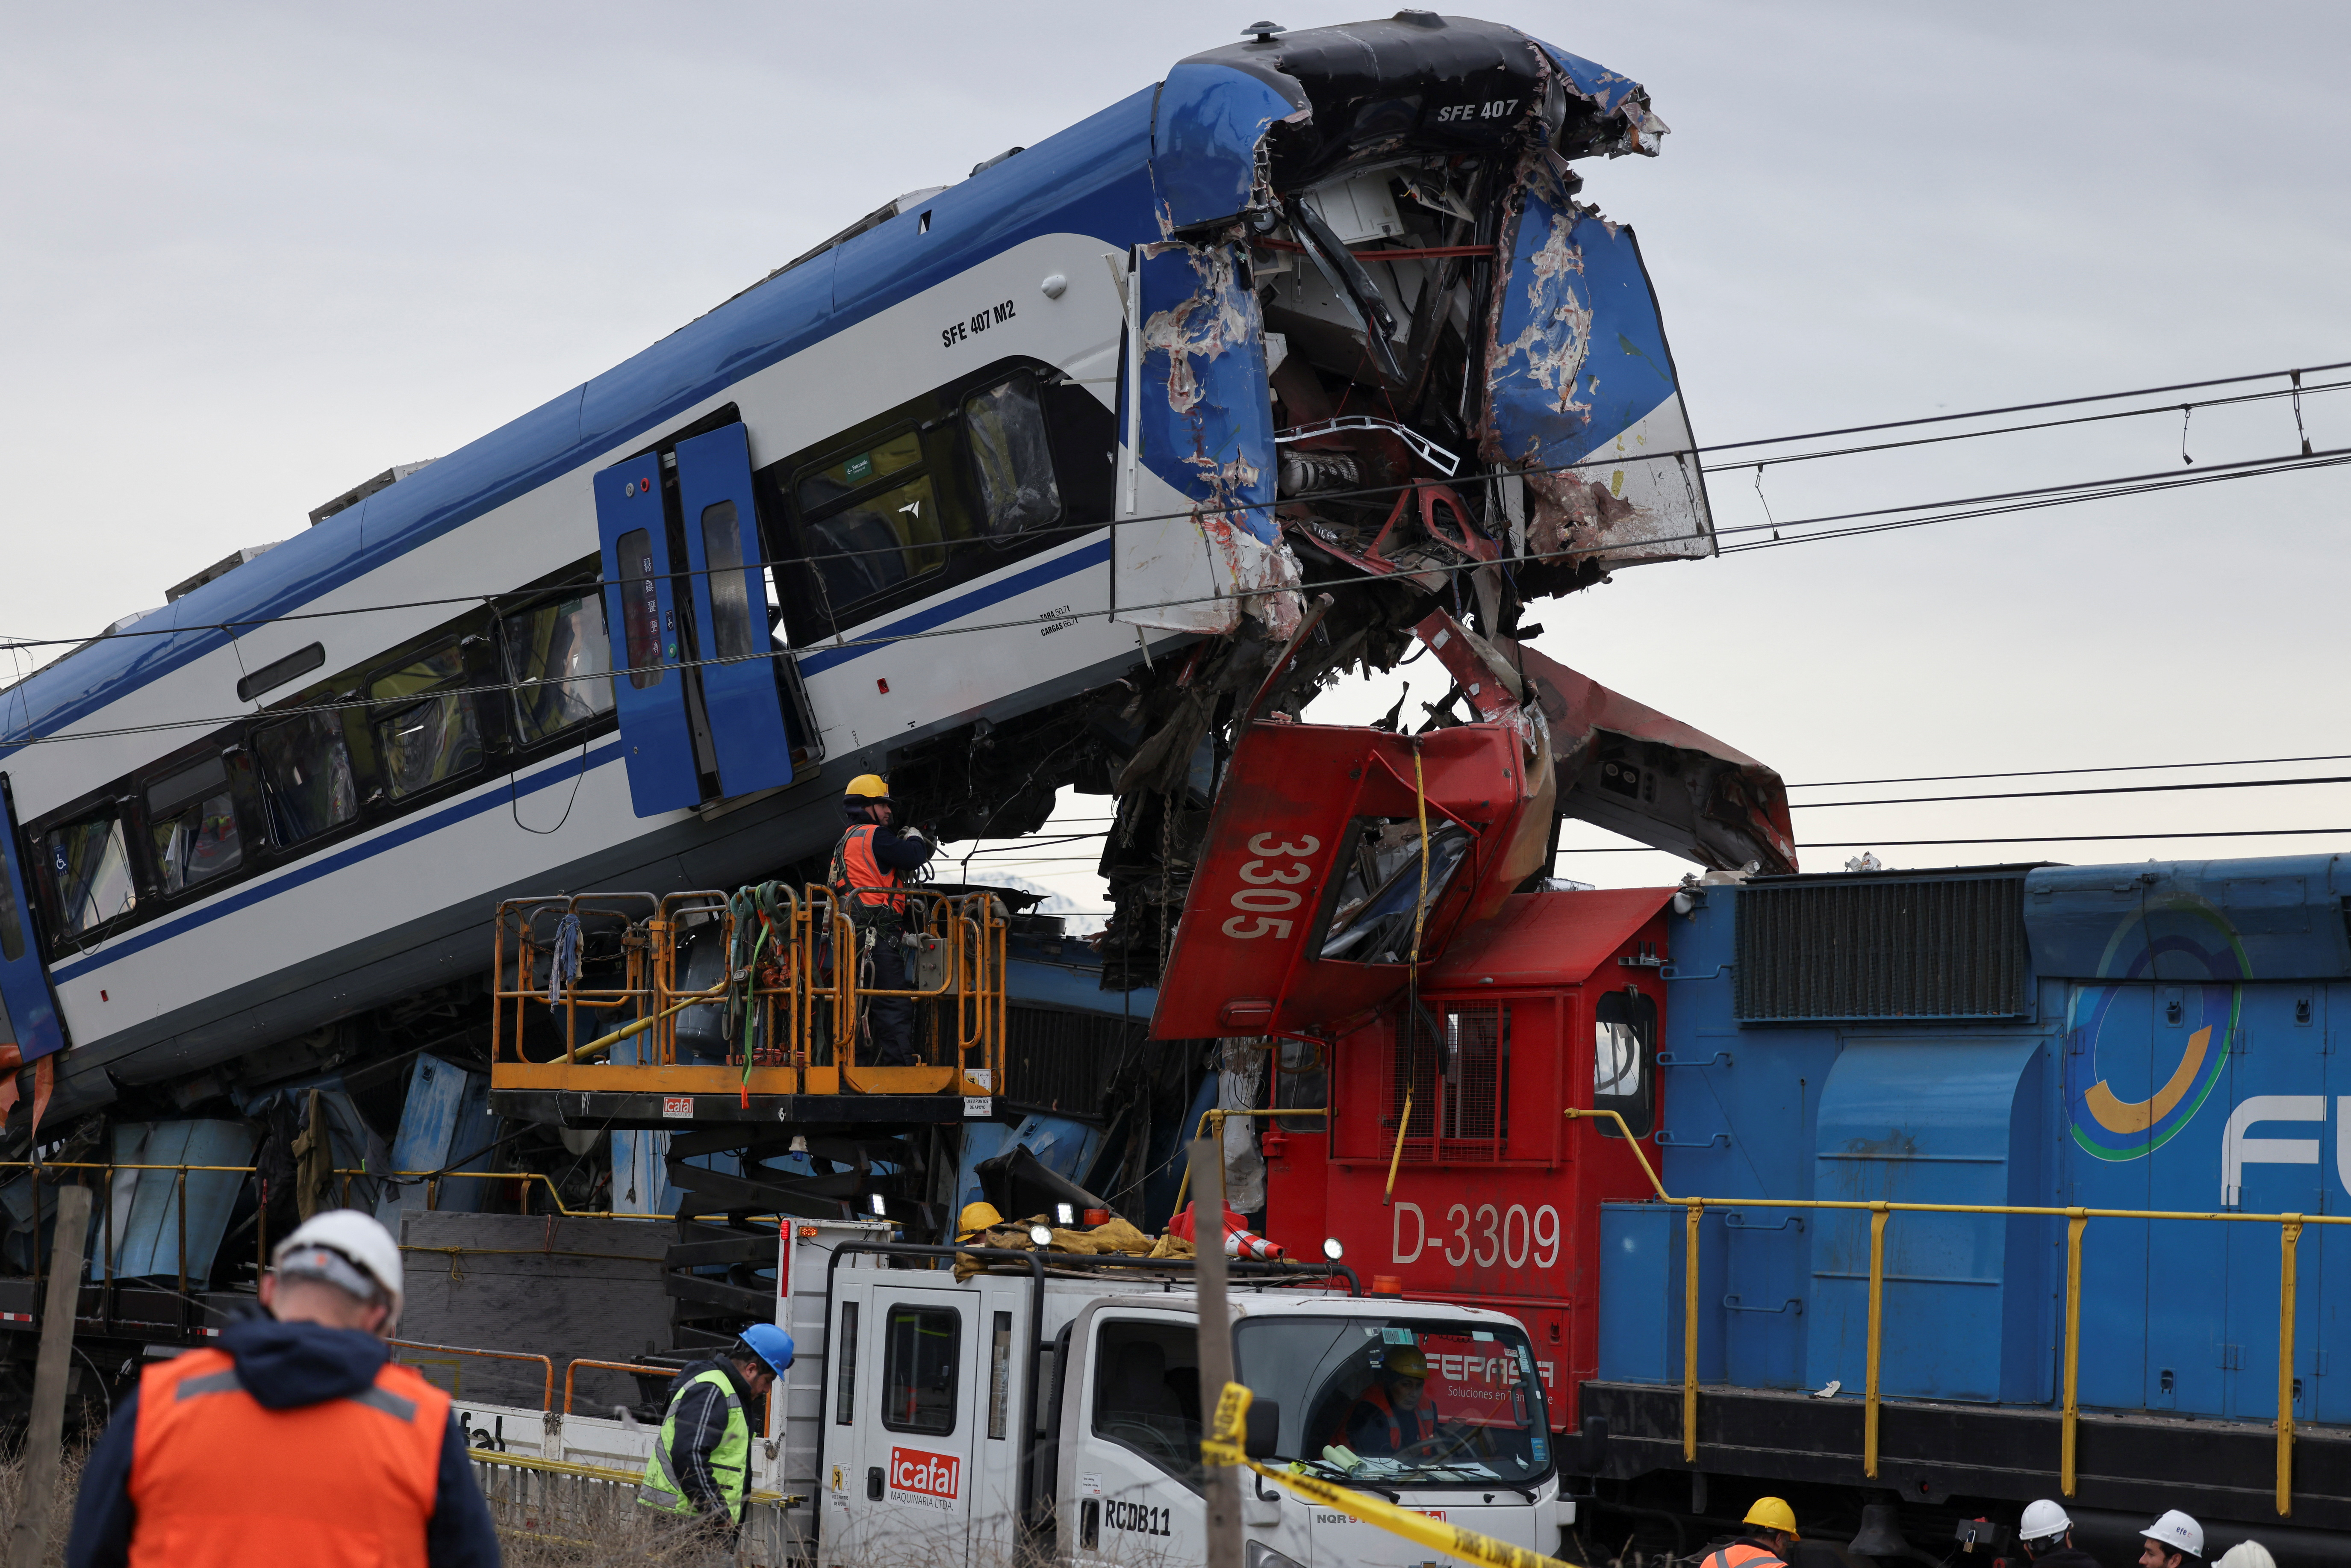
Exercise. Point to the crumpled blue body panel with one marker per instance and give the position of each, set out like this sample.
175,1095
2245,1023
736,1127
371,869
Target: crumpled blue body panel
1580,394
1205,423
1204,140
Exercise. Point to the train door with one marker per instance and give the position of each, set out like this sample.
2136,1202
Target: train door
30,1025
748,684
649,657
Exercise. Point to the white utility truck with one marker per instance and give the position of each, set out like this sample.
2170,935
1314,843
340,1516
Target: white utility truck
1049,1409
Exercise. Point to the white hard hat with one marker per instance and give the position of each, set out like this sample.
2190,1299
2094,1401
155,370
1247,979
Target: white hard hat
2178,1531
2043,1519
2248,1555
354,1239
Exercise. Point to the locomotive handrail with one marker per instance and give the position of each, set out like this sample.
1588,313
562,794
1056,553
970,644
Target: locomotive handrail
2076,1217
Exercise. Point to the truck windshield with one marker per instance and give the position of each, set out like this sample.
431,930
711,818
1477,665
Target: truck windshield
1399,1403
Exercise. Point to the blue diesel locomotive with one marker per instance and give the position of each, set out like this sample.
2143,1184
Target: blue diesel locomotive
1998,1079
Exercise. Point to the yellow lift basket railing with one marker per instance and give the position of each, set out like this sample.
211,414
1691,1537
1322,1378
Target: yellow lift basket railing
792,990
2076,1222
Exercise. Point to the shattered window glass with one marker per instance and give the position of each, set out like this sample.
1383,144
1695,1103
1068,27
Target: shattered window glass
1013,457
560,663
192,826
306,777
1371,922
420,745
868,535
90,873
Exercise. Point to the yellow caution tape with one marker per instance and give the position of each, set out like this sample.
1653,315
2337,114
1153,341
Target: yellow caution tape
1224,1448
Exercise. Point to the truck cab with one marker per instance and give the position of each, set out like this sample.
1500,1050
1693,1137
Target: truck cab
954,1411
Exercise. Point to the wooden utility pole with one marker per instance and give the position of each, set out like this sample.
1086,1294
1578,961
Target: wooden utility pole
1223,1483
45,1438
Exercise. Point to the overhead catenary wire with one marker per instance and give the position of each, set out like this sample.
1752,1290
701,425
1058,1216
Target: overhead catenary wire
2055,772
1368,493
887,639
2016,838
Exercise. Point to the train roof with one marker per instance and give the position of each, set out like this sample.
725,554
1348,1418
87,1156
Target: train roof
1549,938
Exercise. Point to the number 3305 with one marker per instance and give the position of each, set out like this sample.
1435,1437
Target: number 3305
1272,886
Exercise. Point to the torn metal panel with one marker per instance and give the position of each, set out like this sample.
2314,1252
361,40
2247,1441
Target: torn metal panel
1580,394
1208,125
1314,838
1625,767
1201,423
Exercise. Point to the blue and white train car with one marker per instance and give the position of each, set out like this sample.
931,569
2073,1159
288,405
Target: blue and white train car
995,447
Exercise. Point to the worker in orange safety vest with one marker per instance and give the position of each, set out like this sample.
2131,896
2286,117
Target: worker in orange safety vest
299,1440
1395,1411
1772,1534
869,868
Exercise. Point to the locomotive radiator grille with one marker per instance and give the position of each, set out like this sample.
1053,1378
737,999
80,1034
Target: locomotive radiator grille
1821,950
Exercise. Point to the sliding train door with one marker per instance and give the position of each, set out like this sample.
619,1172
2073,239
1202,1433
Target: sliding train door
30,1024
651,660
747,681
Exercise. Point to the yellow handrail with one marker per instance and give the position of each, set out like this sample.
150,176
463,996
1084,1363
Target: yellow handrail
2289,1236
1218,1116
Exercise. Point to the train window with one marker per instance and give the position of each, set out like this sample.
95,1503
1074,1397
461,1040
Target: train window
1012,457
12,920
421,744
270,676
730,598
306,777
1454,1069
922,1352
1372,921
875,520
558,660
639,607
1625,1059
89,872
192,826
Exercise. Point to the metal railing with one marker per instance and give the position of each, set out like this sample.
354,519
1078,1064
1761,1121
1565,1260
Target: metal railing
546,1392
792,989
2077,1218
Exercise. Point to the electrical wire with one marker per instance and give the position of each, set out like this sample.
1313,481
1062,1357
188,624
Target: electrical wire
2054,772
2049,794
1366,493
889,638
2025,838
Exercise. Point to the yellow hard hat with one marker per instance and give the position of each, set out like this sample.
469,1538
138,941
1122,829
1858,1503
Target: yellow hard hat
1773,1513
873,786
1408,1363
976,1217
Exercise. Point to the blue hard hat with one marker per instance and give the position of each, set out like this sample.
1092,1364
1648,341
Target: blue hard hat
771,1344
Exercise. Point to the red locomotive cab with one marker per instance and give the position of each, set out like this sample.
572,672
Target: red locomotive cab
1555,1001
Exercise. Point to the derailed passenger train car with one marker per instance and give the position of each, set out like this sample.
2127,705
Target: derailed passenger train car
1011,485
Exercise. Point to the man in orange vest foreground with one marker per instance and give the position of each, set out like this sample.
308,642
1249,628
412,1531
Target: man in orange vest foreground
1771,1532
1393,1413
868,870
299,1440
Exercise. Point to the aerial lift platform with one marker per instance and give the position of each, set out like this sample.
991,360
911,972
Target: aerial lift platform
625,1010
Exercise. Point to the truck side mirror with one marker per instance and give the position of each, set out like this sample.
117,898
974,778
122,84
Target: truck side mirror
1592,1447
1264,1429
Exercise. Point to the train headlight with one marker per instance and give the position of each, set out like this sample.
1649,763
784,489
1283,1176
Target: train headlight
1331,1249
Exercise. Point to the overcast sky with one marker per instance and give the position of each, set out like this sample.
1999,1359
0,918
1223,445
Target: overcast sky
252,255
